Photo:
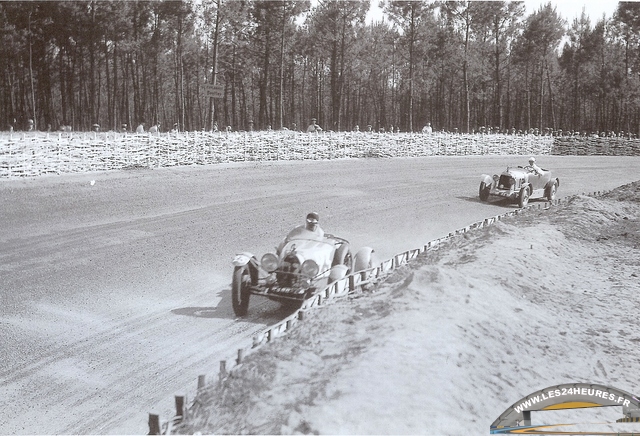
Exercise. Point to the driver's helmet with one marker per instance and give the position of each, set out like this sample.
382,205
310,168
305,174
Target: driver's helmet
532,160
312,221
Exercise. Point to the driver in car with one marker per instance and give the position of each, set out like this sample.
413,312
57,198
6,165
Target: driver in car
535,168
309,230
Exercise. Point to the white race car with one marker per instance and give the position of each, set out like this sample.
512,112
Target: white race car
519,184
293,273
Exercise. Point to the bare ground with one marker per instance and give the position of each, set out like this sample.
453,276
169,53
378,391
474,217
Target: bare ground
449,341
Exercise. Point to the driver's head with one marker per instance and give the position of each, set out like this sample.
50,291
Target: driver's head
532,160
312,221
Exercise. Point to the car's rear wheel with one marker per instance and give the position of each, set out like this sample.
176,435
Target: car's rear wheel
551,192
363,263
343,256
523,198
484,191
240,292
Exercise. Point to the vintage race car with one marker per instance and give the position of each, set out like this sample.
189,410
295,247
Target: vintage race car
519,184
295,271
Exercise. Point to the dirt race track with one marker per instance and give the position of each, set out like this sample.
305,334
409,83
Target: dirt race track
115,293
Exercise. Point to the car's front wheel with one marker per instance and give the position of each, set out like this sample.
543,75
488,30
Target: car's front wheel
523,198
484,191
240,292
551,192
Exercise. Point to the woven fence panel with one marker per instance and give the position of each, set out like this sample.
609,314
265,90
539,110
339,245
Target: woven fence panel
37,154
583,146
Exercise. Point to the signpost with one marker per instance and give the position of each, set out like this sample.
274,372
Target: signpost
215,91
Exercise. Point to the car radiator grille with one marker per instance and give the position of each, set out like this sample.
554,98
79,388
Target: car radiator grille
286,274
505,182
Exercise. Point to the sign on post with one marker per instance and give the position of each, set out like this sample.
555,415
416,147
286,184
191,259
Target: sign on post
215,91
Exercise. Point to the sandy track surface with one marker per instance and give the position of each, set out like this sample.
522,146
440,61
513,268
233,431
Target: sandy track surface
115,294
453,339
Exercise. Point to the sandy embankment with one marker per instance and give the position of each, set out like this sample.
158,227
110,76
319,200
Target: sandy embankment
450,341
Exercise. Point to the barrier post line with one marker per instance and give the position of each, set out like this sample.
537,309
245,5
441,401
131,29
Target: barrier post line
222,374
180,407
154,424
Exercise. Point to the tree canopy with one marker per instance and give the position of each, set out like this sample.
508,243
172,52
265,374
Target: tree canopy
460,65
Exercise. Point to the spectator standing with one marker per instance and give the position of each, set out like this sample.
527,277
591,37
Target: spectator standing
427,128
140,128
313,127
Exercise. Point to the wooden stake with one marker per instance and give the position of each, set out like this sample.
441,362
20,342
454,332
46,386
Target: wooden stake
180,406
154,423
223,370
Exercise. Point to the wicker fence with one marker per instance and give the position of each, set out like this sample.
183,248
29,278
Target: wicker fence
579,146
37,154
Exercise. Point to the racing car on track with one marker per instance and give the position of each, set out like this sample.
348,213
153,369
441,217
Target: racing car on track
301,265
519,184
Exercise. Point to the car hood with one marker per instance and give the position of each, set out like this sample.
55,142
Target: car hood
319,250
516,172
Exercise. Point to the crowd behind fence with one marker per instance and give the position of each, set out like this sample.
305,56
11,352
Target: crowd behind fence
36,154
594,146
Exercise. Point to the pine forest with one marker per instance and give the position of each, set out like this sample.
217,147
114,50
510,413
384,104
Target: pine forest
462,66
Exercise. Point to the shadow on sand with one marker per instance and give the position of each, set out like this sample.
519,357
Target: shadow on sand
261,310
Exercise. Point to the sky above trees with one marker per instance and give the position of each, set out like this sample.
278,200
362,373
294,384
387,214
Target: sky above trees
568,9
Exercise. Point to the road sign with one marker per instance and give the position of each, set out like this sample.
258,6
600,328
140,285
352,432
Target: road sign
215,91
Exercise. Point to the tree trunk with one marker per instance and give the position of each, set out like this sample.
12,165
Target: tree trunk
541,93
33,95
214,73
465,72
498,95
552,110
281,79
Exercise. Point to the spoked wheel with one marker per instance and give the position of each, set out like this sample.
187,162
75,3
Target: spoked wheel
551,192
364,262
240,289
484,191
523,198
